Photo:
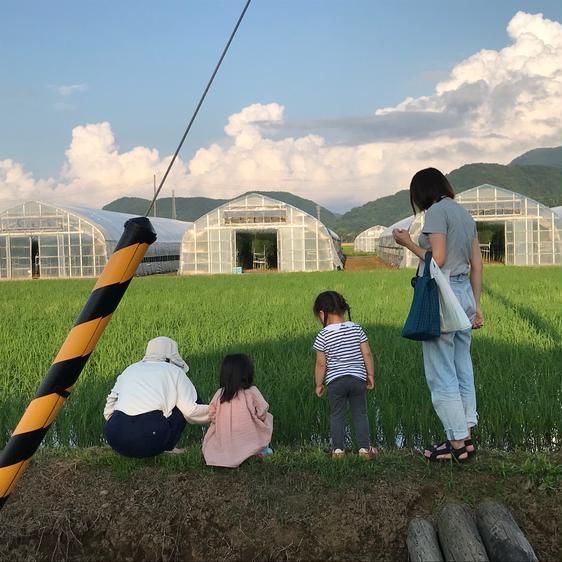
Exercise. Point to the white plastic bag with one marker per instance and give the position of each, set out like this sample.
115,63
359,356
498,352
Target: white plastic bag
453,316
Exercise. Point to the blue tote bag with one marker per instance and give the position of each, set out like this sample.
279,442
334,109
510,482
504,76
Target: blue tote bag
423,322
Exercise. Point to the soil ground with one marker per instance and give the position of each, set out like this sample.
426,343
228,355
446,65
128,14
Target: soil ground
92,505
365,263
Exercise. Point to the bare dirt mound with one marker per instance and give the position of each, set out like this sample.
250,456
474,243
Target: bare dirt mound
68,509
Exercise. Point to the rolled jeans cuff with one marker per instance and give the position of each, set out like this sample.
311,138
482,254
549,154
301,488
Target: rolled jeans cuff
453,435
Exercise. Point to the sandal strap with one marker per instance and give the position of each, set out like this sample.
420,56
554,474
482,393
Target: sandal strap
456,453
441,446
468,443
435,454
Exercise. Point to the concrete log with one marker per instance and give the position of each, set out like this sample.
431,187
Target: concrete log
458,534
504,540
422,542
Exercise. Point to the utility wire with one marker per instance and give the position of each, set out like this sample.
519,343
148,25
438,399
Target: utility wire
198,107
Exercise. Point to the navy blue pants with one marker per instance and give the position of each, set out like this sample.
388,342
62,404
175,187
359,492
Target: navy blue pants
145,435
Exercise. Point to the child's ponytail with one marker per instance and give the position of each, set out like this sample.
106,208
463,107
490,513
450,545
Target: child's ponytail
330,302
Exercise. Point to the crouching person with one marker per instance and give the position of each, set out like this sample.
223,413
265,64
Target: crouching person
151,401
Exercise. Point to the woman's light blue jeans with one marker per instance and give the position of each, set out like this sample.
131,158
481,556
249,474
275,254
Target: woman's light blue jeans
449,373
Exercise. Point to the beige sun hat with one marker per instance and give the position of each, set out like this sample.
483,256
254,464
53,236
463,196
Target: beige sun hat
163,348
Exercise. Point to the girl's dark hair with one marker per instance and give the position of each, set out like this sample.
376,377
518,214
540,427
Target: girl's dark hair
330,302
237,373
427,187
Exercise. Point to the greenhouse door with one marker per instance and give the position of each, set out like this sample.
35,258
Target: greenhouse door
20,257
35,270
52,256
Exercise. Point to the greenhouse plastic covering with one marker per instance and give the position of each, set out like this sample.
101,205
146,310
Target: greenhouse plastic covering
303,242
49,240
366,240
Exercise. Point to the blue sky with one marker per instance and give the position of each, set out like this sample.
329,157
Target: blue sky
141,66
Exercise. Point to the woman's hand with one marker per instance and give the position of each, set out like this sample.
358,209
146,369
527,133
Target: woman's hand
402,237
320,391
370,382
478,320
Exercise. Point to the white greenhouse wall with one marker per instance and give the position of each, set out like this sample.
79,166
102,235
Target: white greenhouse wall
52,241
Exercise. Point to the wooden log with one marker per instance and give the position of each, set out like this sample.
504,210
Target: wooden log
504,540
458,534
422,542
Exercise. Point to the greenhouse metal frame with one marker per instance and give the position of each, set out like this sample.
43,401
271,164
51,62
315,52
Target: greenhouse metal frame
48,240
303,243
533,232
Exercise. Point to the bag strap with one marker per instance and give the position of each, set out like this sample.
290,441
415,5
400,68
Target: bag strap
428,256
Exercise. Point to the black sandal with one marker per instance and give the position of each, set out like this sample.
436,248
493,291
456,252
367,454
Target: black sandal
468,443
442,447
449,450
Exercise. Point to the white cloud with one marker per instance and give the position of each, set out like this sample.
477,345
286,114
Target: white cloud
66,91
65,94
16,183
490,108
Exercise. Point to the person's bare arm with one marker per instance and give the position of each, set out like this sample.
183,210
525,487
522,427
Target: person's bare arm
438,243
476,275
369,364
320,373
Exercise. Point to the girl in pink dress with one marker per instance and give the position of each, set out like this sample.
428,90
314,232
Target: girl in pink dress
241,426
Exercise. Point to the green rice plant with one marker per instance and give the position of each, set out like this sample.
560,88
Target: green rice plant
517,355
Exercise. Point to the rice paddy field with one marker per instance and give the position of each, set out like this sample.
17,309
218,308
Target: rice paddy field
517,356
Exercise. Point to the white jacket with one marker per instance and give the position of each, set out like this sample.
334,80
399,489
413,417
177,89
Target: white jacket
155,385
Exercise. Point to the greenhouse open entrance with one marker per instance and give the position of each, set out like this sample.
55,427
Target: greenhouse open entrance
492,238
256,250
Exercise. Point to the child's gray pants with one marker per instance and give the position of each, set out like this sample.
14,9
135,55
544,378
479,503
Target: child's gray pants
342,391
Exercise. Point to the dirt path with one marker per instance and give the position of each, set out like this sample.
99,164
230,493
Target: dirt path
365,263
90,508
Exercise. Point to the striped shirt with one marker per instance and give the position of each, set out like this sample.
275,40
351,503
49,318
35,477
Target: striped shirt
342,345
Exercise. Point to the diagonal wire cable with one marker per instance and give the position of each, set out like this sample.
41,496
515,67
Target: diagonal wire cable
225,50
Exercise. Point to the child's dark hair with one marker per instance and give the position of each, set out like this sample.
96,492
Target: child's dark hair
237,373
427,187
330,302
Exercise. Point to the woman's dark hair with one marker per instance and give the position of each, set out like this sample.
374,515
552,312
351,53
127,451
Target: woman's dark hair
427,187
237,373
330,302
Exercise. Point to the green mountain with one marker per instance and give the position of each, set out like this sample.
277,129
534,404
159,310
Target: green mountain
551,157
542,183
385,211
187,208
191,208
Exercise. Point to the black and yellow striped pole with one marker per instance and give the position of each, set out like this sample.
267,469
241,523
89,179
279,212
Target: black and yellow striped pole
74,353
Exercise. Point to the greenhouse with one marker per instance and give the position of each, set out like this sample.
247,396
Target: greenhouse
390,252
366,240
256,232
527,232
48,240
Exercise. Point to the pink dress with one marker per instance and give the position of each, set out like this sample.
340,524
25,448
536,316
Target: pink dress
239,429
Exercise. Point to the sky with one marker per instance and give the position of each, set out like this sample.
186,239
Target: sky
336,101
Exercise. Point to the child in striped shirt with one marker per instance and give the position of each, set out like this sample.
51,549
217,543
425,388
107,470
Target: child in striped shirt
344,365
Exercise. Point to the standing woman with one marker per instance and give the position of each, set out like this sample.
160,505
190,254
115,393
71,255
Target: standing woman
450,233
